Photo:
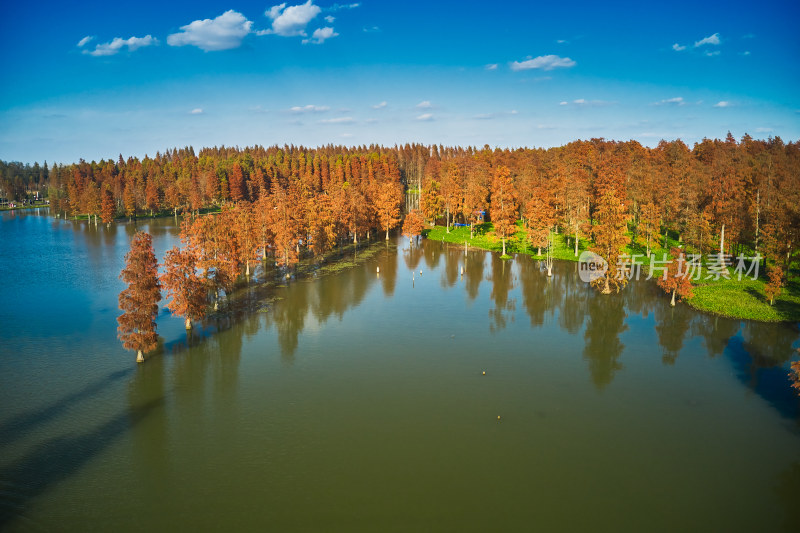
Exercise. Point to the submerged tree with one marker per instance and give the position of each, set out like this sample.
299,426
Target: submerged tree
675,279
413,225
186,290
139,301
610,238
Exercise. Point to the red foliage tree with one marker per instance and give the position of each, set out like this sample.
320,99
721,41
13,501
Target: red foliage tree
107,207
413,225
186,291
387,204
503,208
773,288
139,301
675,279
610,238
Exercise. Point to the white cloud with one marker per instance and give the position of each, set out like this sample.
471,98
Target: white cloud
85,40
339,7
746,53
425,117
711,39
678,100
491,66
380,106
309,109
548,62
484,116
562,41
222,33
320,35
291,21
196,111
329,19
582,102
425,104
372,29
722,103
712,53
133,43
678,48
763,130
337,120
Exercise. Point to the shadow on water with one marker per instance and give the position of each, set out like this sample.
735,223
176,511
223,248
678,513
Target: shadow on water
23,423
788,491
58,458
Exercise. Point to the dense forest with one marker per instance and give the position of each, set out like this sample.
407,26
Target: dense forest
720,194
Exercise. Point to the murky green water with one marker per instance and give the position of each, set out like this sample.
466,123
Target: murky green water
356,401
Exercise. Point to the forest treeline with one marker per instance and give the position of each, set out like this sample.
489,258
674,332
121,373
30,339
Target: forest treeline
719,194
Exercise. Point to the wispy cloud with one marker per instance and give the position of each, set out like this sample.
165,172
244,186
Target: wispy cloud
113,47
425,104
309,109
711,39
222,33
372,29
291,21
676,101
339,7
380,106
723,103
562,41
711,53
548,62
337,120
425,117
763,130
582,102
678,48
329,19
84,41
491,66
196,111
320,35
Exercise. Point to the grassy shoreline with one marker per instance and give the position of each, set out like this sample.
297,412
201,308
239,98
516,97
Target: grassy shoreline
730,298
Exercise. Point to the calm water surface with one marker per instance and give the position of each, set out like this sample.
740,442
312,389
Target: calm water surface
356,401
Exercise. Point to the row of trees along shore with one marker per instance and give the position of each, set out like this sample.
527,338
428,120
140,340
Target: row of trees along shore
721,195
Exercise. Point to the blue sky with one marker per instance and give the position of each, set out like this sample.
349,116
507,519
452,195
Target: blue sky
102,79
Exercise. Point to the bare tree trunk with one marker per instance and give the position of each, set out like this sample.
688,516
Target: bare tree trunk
672,303
722,241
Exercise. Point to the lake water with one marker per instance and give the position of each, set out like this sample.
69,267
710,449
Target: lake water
356,401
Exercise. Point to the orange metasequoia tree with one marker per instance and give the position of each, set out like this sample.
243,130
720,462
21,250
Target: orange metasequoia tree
413,225
609,238
387,204
773,288
675,279
503,207
186,290
107,207
139,301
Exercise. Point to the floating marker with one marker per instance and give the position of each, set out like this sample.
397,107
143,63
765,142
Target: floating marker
484,372
378,270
